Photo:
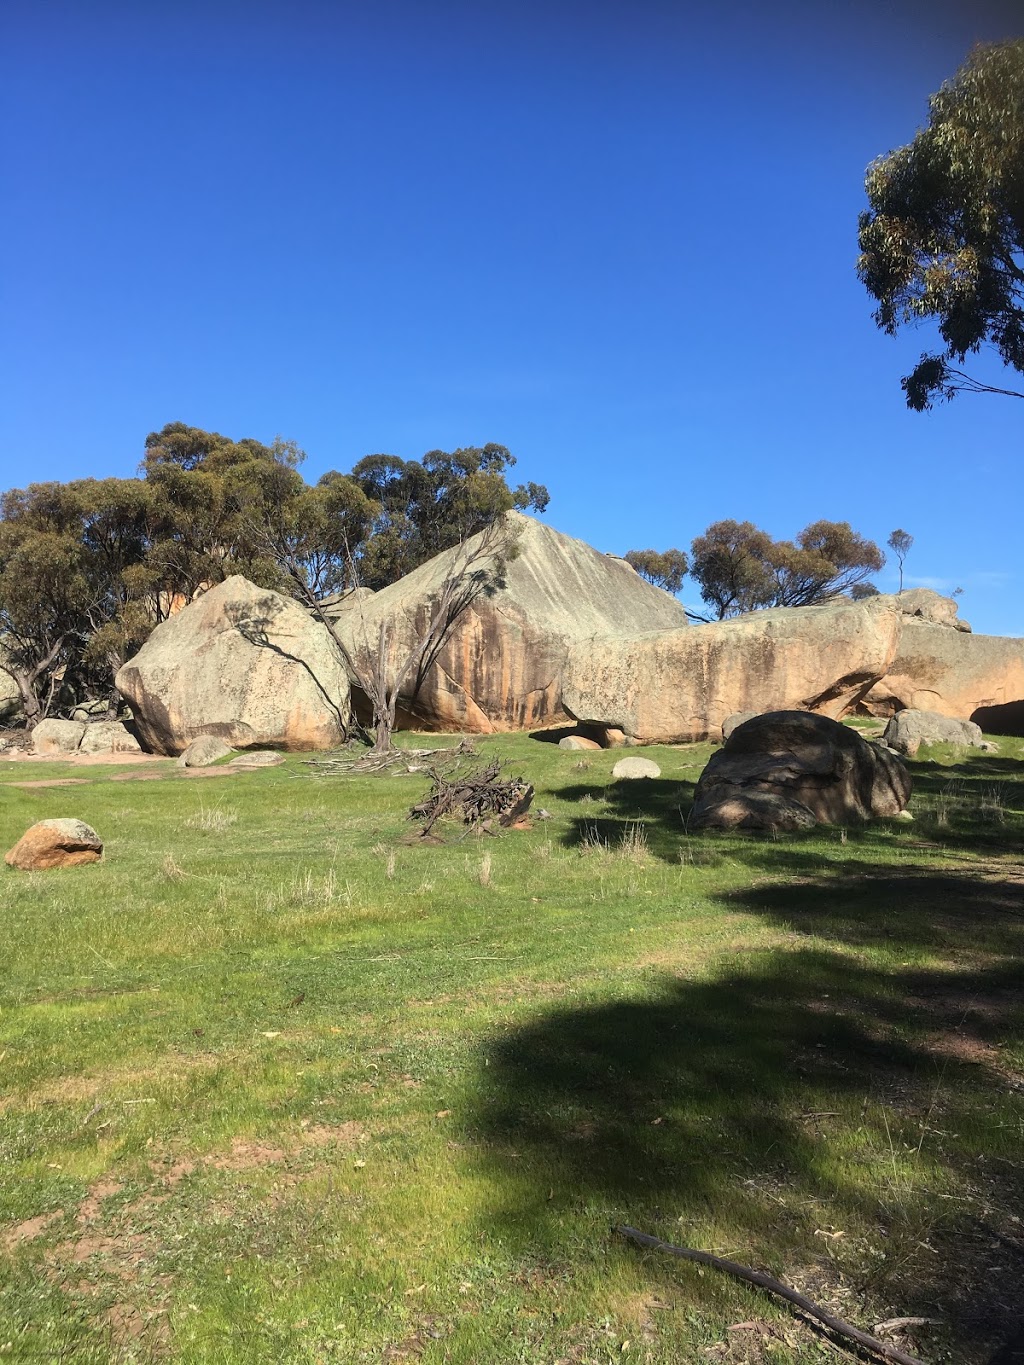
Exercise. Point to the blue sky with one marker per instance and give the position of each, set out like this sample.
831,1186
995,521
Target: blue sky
617,238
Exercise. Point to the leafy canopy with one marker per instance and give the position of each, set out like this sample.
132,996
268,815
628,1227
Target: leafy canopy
665,569
740,568
943,238
88,568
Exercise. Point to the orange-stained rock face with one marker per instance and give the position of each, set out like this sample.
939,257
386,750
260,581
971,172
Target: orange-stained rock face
55,843
682,685
971,677
501,663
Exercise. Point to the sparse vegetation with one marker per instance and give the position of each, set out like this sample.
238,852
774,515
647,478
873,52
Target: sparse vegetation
301,1092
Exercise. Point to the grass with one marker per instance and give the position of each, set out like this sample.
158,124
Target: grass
279,1086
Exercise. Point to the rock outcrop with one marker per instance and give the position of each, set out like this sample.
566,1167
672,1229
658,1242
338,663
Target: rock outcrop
57,738
10,697
908,730
243,664
108,737
500,665
973,677
55,843
681,685
789,770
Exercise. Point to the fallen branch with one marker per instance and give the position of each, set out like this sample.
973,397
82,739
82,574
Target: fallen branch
370,762
762,1281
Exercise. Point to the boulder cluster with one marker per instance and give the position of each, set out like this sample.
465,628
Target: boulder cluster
562,635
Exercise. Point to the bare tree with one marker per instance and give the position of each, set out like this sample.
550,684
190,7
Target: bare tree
377,662
899,543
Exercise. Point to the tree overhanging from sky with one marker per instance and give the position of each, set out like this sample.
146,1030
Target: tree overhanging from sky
943,238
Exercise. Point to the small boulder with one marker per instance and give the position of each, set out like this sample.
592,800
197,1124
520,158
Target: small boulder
55,843
577,742
108,737
613,738
909,729
628,769
204,751
87,710
257,758
806,760
56,738
737,718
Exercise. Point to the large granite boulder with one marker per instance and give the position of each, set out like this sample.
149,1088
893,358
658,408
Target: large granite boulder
908,730
975,677
789,769
501,661
244,664
680,685
10,697
927,605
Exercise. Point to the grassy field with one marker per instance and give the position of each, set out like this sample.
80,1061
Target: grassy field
278,1086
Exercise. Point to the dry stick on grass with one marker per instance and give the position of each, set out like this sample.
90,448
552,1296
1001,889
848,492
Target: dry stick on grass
762,1281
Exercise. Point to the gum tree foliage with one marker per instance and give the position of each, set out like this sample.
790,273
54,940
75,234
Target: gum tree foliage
429,505
943,238
87,568
740,568
664,568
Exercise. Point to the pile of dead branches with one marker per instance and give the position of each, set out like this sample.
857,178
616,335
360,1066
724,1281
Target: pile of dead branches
362,761
481,798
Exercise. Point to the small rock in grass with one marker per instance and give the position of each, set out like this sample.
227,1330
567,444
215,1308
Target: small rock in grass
55,843
577,742
630,768
204,750
257,758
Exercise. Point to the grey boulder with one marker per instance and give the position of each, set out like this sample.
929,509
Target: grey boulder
797,760
204,751
909,729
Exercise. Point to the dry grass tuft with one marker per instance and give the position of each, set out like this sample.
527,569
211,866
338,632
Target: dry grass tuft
212,819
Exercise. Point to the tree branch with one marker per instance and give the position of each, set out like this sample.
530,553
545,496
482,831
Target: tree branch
762,1281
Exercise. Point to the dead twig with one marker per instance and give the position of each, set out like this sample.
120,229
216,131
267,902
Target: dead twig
762,1281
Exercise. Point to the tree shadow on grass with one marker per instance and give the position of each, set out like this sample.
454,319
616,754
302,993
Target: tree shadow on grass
805,1090
974,806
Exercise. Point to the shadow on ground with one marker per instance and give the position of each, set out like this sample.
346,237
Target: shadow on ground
972,806
865,1086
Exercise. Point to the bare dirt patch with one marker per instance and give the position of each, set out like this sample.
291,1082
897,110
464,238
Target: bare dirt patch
54,782
89,1209
28,1230
247,1154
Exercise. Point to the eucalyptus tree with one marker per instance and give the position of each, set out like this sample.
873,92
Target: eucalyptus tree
943,237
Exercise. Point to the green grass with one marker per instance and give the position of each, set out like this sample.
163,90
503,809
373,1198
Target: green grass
277,1086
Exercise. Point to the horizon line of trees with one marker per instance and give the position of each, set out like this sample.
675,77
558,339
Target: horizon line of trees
739,568
89,567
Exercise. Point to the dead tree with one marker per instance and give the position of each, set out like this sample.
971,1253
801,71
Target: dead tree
376,662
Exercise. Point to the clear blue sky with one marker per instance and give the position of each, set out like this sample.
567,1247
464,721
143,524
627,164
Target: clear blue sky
618,238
